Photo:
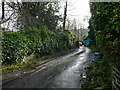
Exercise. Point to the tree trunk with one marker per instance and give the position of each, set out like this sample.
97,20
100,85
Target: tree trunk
65,15
2,10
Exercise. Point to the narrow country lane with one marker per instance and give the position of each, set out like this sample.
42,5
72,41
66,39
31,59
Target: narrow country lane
63,72
74,75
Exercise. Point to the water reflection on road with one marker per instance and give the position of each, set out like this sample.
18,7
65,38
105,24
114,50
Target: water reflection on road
72,77
62,72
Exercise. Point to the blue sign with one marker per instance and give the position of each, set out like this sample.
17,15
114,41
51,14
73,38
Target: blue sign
86,42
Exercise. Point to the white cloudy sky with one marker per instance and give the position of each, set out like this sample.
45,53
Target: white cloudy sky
78,9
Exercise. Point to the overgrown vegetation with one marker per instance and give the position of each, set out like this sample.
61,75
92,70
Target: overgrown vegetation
99,75
18,45
104,30
105,23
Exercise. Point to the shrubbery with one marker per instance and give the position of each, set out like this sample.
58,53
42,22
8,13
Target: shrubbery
104,26
17,45
14,47
105,23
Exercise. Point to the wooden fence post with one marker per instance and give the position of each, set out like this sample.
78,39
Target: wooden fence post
115,78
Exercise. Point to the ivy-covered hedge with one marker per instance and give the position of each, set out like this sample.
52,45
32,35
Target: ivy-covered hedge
104,26
17,45
105,21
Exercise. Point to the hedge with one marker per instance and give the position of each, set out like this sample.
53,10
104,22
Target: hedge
17,45
105,21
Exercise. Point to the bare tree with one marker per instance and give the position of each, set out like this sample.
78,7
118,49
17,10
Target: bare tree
9,14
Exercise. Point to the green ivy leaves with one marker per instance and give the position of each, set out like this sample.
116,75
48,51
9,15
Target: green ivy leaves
105,20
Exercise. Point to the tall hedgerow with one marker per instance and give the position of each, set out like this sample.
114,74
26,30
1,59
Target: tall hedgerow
105,21
17,45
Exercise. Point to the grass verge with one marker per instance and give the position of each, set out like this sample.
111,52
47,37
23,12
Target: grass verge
29,65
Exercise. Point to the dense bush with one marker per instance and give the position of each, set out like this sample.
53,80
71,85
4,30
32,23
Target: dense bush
105,21
104,26
13,47
17,45
99,75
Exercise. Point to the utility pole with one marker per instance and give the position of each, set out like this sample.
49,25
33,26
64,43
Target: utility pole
65,15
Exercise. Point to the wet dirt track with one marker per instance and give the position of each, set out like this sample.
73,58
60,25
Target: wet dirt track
63,72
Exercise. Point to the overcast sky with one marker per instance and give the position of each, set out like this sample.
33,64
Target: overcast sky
78,9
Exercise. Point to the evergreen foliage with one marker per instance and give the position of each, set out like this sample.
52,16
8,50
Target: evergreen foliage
17,45
105,24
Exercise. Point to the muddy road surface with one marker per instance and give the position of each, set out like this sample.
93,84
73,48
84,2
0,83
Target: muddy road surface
67,71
